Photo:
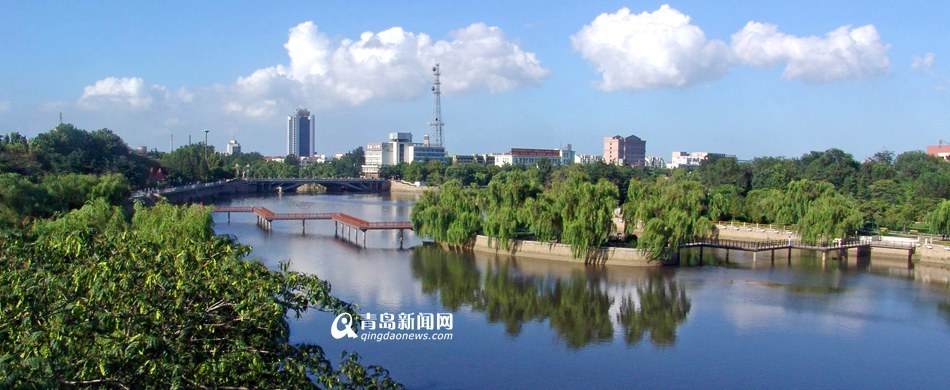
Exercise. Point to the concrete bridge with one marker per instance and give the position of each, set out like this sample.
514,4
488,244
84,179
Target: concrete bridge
199,192
332,185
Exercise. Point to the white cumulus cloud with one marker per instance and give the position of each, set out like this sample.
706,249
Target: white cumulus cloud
924,63
664,49
321,72
843,54
650,50
393,64
121,93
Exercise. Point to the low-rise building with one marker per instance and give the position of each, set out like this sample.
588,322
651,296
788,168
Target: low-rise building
587,158
486,159
684,159
653,162
939,150
522,156
399,149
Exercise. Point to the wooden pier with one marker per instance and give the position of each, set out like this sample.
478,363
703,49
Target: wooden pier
344,225
862,245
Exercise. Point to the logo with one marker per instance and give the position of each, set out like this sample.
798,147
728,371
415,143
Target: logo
347,320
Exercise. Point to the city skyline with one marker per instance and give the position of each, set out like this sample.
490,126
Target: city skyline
761,78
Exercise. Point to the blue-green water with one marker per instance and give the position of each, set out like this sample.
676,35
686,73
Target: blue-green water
545,324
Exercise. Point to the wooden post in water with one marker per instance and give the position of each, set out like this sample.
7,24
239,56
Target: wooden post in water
364,239
303,224
701,254
910,259
400,238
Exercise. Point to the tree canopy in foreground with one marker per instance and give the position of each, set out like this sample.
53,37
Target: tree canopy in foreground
93,299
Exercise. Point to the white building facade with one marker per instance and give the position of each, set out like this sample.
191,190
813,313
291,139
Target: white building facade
399,149
522,156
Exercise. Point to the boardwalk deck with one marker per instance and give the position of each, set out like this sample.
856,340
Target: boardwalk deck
344,224
862,244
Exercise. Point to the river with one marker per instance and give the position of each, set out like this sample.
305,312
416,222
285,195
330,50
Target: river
520,323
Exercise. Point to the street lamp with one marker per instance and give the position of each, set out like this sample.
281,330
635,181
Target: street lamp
206,142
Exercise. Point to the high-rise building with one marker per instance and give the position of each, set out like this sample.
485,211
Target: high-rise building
233,147
625,151
300,133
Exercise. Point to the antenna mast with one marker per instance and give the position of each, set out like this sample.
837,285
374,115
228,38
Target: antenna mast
436,122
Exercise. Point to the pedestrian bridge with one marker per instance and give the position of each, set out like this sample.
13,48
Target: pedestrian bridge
343,224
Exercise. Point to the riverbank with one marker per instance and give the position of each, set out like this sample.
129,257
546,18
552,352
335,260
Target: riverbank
629,257
407,187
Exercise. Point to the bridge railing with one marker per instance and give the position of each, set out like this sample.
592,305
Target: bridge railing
738,244
304,215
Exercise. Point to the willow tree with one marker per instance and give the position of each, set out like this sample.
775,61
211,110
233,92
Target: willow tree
798,196
671,211
830,216
502,203
542,217
939,219
451,216
586,212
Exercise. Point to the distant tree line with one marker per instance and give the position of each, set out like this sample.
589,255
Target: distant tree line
826,195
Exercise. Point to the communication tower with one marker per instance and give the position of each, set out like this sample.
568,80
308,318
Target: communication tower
436,122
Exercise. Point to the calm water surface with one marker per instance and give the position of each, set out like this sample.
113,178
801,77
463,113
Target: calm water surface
531,323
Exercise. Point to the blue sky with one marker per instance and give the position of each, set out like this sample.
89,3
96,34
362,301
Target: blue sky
750,78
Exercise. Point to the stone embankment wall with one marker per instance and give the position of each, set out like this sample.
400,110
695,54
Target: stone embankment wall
405,186
561,252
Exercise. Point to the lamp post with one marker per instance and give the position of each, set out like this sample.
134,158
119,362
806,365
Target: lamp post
206,142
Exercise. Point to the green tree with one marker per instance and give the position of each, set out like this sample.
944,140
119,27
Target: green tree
773,172
671,211
503,203
449,216
91,300
586,213
939,219
833,166
798,196
724,203
717,170
830,216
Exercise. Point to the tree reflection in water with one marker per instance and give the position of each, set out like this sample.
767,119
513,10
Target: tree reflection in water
663,305
577,308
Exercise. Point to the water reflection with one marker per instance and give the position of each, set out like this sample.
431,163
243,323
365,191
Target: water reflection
577,307
662,307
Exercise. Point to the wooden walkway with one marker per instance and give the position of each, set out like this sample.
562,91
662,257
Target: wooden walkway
343,224
863,246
